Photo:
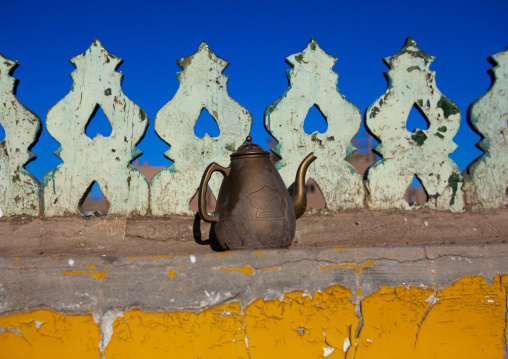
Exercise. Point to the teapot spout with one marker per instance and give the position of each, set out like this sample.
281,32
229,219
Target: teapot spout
299,195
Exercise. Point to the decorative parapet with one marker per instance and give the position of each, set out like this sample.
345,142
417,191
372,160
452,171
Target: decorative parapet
424,152
486,179
19,190
312,82
105,160
202,86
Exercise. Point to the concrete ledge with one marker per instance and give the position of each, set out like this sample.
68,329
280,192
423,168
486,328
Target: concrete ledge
177,234
199,281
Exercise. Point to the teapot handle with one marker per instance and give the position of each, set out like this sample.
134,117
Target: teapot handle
202,190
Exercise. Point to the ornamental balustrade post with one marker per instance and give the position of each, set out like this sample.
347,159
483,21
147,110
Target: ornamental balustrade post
202,86
19,190
486,179
424,152
312,82
105,160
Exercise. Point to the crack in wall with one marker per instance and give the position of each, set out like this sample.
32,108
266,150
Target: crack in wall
432,300
105,322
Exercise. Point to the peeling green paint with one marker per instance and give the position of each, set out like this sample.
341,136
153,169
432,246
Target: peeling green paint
142,114
410,47
314,137
276,149
448,107
19,190
85,161
312,44
411,84
350,149
419,137
201,84
453,182
412,68
280,164
172,168
184,62
313,82
488,174
374,111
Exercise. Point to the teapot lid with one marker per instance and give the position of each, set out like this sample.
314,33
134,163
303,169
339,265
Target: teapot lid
251,150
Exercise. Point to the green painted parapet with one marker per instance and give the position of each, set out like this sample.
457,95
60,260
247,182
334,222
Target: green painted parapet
107,160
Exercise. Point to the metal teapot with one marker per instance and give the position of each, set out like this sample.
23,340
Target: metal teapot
254,209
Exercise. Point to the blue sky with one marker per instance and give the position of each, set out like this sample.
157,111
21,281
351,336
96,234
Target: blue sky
255,37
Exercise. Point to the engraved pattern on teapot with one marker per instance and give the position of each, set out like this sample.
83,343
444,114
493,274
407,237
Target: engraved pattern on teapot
267,204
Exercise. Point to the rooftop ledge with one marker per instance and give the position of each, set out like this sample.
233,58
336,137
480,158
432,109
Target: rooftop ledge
140,236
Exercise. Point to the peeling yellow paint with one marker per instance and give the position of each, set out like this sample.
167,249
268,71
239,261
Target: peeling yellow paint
271,269
245,269
300,326
46,334
339,248
171,273
93,266
359,292
212,334
166,255
16,258
348,265
98,275
258,253
466,320
220,255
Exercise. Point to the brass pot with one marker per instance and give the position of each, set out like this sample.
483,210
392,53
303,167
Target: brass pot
254,209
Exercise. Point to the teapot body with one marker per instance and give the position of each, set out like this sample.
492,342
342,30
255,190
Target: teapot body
254,208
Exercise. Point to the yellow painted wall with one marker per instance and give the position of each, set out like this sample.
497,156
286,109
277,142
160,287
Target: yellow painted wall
466,320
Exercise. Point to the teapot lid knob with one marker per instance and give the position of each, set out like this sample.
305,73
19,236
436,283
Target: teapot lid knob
250,149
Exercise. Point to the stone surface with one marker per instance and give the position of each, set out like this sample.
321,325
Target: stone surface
19,190
312,82
424,152
192,282
202,86
146,235
105,160
486,181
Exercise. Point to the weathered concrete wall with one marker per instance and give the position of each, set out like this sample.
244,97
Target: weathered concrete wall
398,302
